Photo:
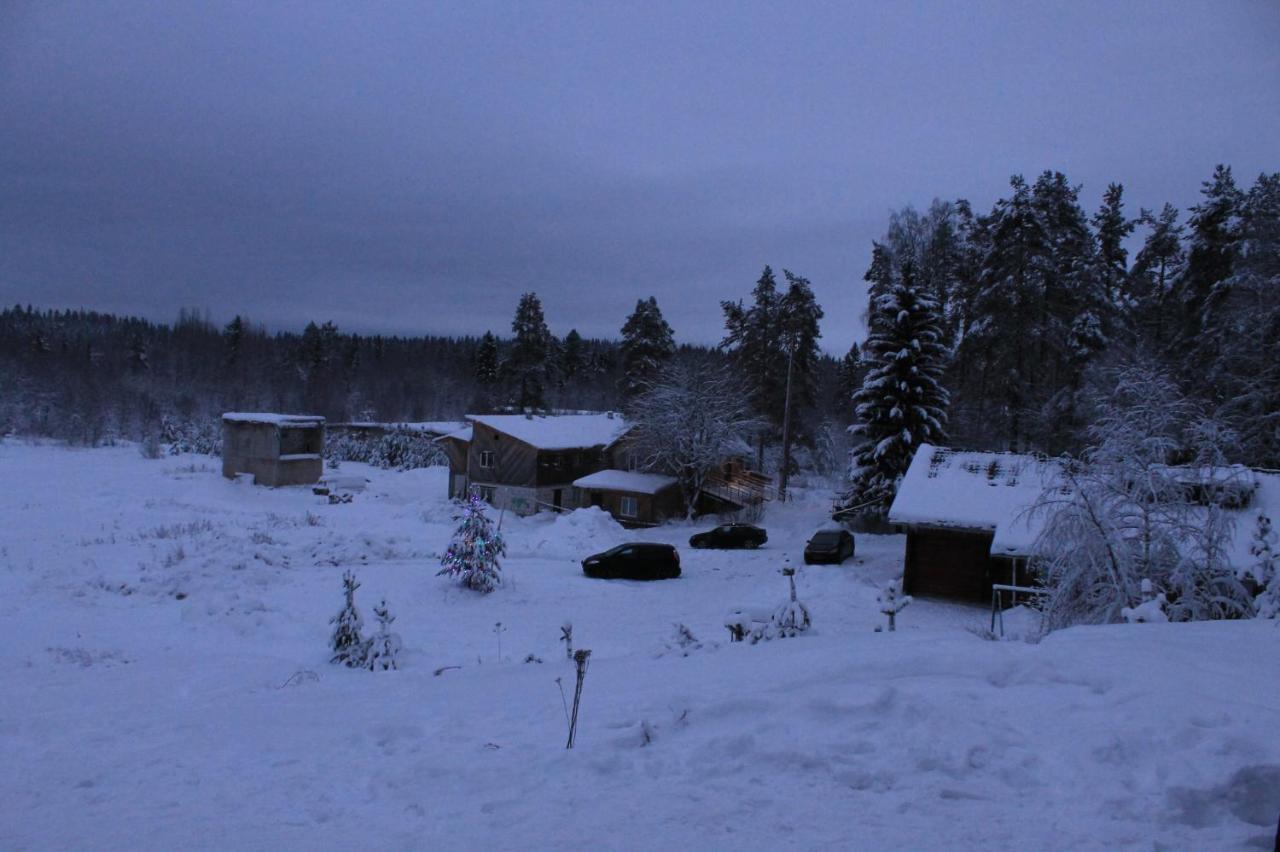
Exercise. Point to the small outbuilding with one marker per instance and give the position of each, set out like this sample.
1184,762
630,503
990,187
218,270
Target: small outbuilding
968,520
277,449
632,497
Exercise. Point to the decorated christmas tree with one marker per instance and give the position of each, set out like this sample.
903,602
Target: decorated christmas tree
348,646
472,556
385,645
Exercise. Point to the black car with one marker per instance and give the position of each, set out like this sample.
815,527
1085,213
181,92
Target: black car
730,535
635,561
829,546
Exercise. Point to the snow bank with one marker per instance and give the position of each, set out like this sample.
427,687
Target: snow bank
572,535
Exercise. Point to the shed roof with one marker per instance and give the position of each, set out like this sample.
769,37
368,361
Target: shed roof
976,491
271,419
557,431
626,480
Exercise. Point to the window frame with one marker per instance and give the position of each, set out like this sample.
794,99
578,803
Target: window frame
634,503
489,456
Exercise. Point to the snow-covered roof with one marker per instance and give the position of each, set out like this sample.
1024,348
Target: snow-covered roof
463,434
271,419
432,427
557,431
972,490
626,480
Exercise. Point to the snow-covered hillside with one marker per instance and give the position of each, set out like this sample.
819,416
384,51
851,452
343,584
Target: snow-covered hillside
160,625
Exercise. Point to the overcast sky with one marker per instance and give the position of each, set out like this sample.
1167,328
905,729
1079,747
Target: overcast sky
415,167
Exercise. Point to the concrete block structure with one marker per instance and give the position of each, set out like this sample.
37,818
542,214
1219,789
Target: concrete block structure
277,449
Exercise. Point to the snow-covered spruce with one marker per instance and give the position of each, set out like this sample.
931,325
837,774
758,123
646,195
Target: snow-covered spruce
349,647
901,403
472,555
892,601
1265,570
385,645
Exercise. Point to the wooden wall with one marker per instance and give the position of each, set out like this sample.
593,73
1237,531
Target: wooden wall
950,564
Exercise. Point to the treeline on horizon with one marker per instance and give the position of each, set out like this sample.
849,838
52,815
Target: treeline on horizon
1035,303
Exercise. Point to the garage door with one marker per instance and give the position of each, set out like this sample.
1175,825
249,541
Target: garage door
948,565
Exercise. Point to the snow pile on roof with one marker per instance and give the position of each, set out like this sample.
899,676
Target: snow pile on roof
557,431
270,419
970,490
574,535
626,480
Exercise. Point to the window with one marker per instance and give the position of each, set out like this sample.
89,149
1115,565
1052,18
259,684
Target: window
629,508
485,493
486,458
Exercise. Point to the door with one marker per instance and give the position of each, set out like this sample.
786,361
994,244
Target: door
557,498
597,499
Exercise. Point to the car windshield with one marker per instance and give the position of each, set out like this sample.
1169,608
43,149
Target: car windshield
826,538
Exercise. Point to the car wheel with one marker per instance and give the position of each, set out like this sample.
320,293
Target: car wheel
753,545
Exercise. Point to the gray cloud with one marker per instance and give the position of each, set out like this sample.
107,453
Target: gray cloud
412,168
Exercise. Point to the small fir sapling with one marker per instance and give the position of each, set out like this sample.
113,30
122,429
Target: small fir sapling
566,636
892,601
385,646
683,641
1151,610
348,646
792,618
472,555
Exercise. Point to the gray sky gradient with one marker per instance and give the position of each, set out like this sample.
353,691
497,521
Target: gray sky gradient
414,167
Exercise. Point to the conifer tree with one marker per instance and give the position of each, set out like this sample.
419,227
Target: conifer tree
850,373
753,339
1210,253
1113,228
572,357
901,403
385,645
486,362
1241,346
647,344
529,361
1156,268
472,555
349,647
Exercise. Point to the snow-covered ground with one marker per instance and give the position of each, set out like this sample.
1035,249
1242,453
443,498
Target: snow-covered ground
161,625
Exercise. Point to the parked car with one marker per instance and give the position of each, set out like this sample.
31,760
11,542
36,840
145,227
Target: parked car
730,535
635,561
829,546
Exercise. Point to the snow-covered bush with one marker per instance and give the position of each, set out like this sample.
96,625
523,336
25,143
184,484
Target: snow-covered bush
892,601
1116,518
349,647
472,555
203,436
399,449
385,646
792,618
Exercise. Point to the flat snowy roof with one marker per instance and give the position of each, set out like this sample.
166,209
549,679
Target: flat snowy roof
626,480
273,419
557,431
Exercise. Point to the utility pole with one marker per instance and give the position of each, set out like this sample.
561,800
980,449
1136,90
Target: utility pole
786,427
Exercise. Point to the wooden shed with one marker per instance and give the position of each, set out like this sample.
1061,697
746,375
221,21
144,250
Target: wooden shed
968,521
277,449
633,498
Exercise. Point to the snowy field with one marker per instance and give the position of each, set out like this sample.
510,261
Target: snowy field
160,625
